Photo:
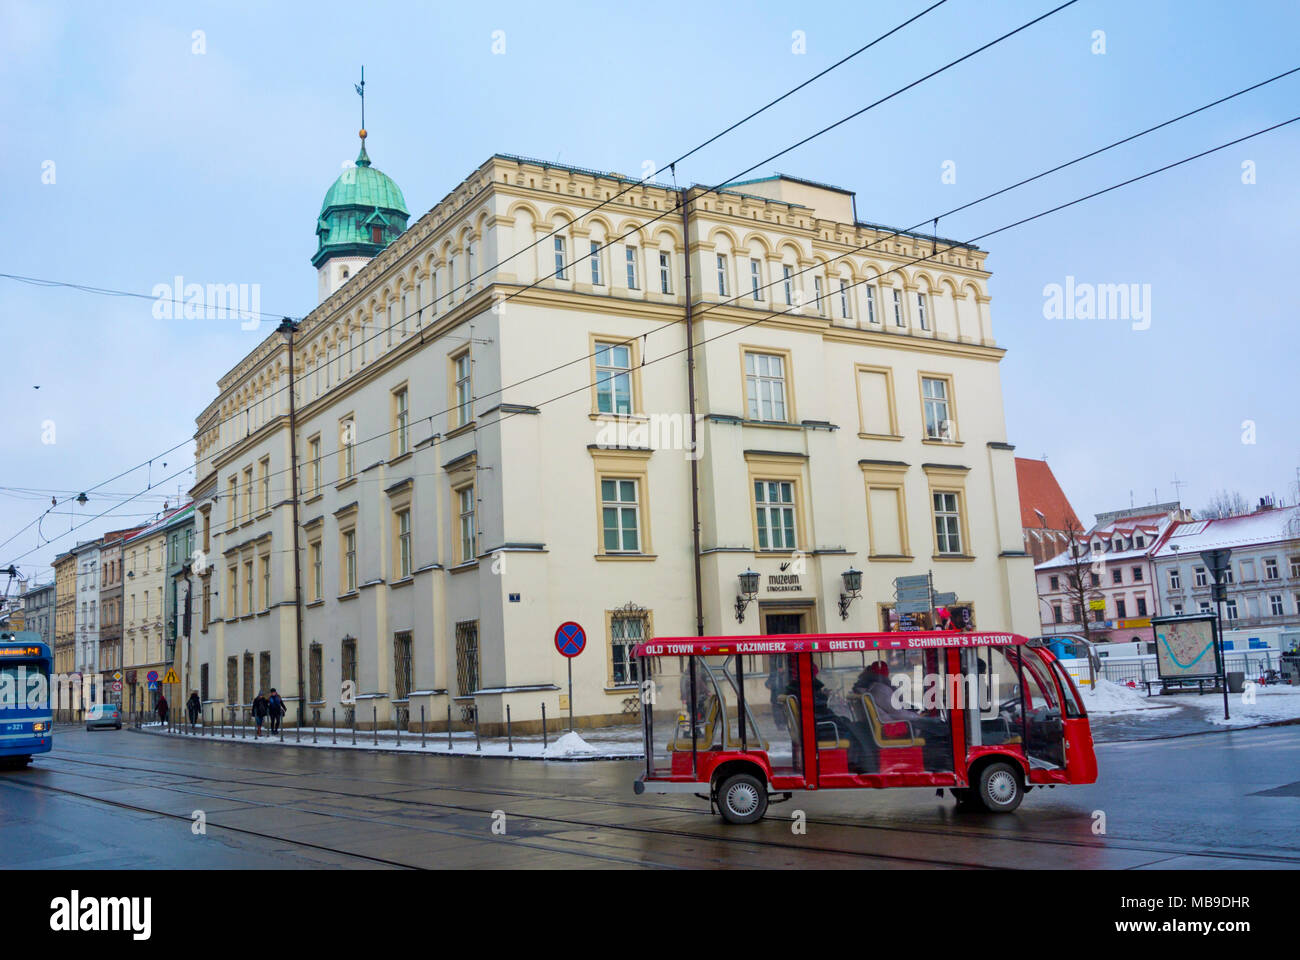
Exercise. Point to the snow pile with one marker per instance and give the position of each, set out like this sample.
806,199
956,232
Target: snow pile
1110,697
569,745
1257,705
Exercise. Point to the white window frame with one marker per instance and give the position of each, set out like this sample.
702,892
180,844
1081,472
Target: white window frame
933,406
609,375
756,280
771,516
620,508
871,304
722,274
947,522
899,319
631,255
665,272
594,259
765,387
560,262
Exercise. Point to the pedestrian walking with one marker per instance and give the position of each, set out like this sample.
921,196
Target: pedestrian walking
278,710
261,708
193,707
162,707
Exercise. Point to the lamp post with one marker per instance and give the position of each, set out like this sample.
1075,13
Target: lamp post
748,593
852,590
287,329
1217,561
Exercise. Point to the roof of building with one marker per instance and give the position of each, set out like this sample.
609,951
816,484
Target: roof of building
1262,527
360,198
1040,491
158,525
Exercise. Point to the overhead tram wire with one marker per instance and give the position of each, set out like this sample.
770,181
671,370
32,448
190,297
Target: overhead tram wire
470,281
771,314
109,292
1012,225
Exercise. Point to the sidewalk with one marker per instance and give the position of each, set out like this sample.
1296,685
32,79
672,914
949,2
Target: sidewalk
1125,713
599,743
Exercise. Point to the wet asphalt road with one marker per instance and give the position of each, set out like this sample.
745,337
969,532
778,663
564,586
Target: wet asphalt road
123,799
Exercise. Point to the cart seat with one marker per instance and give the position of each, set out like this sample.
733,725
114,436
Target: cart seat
894,733
834,742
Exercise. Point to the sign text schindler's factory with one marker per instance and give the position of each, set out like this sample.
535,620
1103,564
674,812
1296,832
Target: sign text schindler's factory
783,582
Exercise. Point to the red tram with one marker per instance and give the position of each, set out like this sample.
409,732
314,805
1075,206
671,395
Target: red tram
986,715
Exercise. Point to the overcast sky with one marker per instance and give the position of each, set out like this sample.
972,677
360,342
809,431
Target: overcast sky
212,165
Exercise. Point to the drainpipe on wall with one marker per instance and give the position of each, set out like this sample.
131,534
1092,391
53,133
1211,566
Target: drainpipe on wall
289,327
690,393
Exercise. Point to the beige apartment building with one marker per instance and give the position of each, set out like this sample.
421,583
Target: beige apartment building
65,612
143,599
481,463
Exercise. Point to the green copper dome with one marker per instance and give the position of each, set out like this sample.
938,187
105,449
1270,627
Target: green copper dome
363,212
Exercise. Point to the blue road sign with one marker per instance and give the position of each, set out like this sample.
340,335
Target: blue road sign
570,639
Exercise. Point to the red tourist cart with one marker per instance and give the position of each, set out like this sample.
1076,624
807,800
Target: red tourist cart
751,719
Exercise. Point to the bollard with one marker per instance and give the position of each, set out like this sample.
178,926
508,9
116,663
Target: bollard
243,726
397,724
283,711
422,728
297,730
374,722
354,723
334,726
543,724
313,726
449,723
510,738
478,744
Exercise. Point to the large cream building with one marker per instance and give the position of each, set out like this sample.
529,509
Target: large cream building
476,470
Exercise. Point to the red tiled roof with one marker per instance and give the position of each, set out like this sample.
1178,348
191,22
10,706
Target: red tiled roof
1040,491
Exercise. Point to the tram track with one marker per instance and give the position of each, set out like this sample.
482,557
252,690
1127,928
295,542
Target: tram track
802,849
945,831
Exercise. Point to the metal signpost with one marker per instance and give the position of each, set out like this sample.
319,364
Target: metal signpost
570,640
1217,561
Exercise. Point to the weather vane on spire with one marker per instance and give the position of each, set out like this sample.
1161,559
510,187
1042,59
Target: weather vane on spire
361,92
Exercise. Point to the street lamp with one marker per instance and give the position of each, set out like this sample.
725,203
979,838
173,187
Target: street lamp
852,590
748,593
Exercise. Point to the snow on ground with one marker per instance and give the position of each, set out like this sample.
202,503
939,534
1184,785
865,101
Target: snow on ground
569,745
603,743
1260,705
1109,698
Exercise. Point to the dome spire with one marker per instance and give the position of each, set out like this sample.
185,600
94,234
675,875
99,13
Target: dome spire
363,159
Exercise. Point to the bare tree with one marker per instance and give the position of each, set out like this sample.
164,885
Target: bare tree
1224,504
1079,585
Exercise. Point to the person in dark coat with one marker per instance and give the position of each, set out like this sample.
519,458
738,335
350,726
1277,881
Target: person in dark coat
277,709
162,707
260,710
193,708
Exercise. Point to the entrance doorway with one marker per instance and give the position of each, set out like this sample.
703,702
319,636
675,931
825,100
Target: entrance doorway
783,623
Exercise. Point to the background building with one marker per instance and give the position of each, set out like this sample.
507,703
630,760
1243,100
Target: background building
1263,604
87,607
110,607
65,612
38,604
455,507
1045,512
144,589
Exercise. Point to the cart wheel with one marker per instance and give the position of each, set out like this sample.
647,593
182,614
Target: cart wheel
999,789
742,798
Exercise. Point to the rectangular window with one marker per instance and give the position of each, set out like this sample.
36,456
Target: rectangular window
1055,582
402,416
626,630
947,523
349,561
464,388
1117,575
620,515
404,543
265,565
467,662
1142,606
938,416
232,679
844,300
1295,568
248,493
1270,568
232,603
248,586
613,378
787,285
921,316
1202,578
264,478
1137,574
775,513
469,266
317,571
871,303
819,296
1275,604
1230,609
898,307
1056,613
347,436
348,669
1205,606
313,461
559,259
665,272
765,387
1175,580
722,275
1178,609
315,673
1121,608
1096,580
402,664
468,544
630,253
595,263
756,280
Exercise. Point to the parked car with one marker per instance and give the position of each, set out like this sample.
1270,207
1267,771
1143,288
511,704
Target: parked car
110,715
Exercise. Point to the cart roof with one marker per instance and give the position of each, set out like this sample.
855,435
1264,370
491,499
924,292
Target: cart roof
821,643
